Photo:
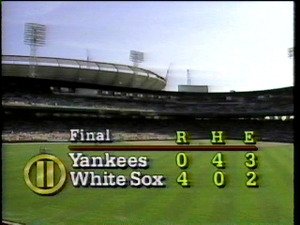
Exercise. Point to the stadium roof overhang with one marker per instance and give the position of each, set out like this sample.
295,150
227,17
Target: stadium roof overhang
81,71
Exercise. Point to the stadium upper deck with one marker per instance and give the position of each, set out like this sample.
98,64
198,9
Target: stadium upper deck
81,71
66,90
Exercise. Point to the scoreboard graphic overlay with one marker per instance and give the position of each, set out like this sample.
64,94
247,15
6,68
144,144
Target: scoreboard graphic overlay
76,151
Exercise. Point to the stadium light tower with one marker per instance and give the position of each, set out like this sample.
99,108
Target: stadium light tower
34,36
188,78
136,57
291,52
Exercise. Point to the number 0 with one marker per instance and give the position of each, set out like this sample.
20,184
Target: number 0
219,179
182,160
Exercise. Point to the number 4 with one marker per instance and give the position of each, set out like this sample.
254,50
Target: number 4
217,161
182,180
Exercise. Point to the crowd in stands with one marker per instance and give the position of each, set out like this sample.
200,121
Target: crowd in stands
51,129
199,106
18,127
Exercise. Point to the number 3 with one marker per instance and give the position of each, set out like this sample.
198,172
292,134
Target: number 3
252,160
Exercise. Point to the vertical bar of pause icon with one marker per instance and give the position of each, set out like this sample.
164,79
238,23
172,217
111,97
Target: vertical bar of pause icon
40,171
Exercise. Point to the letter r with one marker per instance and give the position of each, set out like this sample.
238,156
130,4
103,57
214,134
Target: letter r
182,137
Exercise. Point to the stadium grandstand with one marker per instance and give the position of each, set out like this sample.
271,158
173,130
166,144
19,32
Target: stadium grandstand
80,71
64,93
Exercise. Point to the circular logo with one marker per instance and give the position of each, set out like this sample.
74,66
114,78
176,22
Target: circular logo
44,168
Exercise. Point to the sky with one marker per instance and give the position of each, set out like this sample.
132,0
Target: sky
241,46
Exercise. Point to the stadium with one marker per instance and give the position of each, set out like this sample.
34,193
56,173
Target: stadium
44,97
60,92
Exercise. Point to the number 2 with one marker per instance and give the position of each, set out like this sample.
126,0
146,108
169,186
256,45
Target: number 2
252,178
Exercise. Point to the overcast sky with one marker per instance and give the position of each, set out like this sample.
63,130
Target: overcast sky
226,45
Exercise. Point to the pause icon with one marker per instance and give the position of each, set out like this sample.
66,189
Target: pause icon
42,167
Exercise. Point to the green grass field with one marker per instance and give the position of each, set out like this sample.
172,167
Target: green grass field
202,203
